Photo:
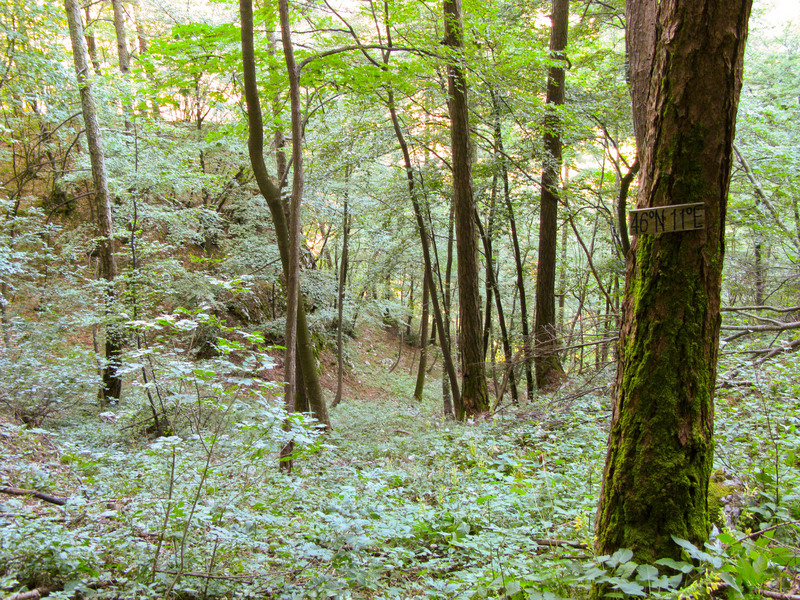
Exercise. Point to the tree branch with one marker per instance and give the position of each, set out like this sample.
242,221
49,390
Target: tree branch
40,495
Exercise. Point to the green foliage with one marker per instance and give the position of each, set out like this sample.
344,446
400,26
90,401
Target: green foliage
175,490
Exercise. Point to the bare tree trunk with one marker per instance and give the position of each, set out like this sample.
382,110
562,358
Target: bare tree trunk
123,52
449,411
423,342
439,317
112,382
124,56
494,291
340,297
91,43
307,368
523,301
549,372
474,396
293,272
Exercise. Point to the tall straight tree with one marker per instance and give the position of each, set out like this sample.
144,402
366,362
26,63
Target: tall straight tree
112,382
123,54
123,51
342,289
685,77
549,372
502,160
474,394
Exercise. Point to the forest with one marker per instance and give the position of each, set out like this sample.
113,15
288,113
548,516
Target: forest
374,299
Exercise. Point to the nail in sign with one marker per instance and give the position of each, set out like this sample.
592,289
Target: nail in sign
666,219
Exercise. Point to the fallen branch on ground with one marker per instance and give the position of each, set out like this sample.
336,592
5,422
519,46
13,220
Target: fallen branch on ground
556,542
778,595
40,495
31,595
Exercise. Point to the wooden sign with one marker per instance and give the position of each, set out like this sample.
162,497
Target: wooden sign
666,219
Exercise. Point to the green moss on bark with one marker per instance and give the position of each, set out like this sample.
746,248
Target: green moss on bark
661,446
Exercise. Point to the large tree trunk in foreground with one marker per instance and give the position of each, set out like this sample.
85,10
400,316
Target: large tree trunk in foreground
112,383
474,395
549,372
686,60
308,385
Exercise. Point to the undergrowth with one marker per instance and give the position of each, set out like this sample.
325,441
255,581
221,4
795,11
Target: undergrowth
396,502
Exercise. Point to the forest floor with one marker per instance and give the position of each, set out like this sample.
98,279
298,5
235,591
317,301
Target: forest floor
395,502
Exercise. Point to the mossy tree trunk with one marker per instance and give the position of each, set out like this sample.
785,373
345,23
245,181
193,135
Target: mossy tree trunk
686,74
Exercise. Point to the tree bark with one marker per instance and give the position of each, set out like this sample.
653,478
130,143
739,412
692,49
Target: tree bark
423,341
307,377
112,382
438,315
447,402
474,395
549,372
493,291
520,271
91,43
123,52
343,265
293,271
686,59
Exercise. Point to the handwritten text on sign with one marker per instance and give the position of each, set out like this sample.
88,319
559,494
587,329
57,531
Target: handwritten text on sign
664,219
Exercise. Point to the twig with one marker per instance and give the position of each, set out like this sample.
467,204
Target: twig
778,309
31,595
216,577
759,328
778,595
557,542
763,531
40,495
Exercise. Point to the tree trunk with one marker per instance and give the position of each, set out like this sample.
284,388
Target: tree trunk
686,59
340,297
293,271
447,403
438,315
486,240
523,301
112,382
549,372
123,55
307,367
91,43
494,291
474,395
423,342
123,52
